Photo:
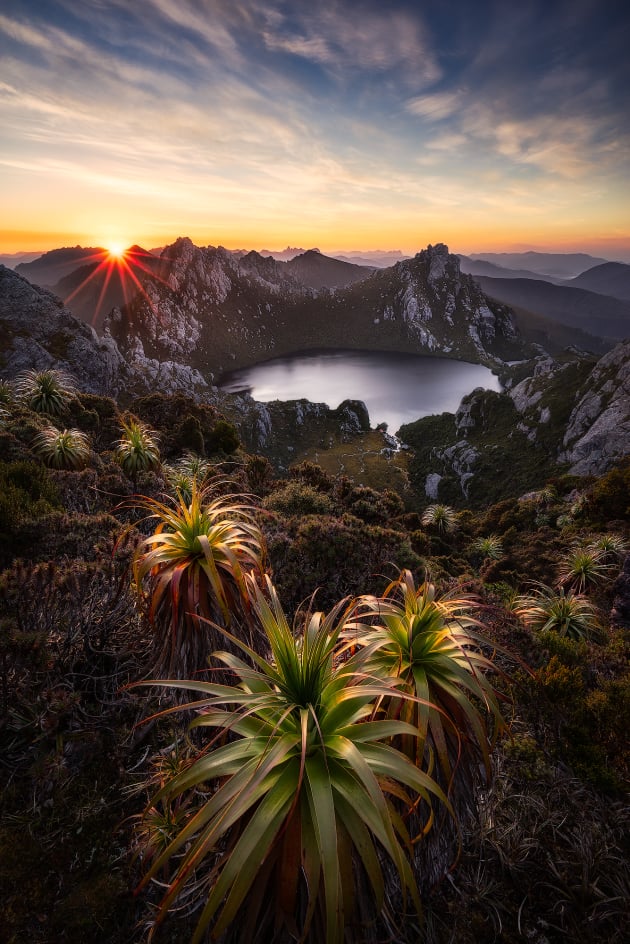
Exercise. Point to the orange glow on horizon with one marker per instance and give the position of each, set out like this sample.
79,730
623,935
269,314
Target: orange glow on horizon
117,250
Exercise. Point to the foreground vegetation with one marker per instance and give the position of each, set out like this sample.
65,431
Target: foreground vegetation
355,749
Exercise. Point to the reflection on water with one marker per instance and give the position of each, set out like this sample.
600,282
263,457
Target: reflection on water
396,388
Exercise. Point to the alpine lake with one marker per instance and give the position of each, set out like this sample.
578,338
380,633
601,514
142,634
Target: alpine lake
396,388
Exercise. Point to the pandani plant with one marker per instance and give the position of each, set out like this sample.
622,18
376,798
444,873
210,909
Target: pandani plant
442,518
565,612
138,448
300,816
62,449
194,566
584,568
433,647
45,391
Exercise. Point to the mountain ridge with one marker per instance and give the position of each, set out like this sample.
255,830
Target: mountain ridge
221,312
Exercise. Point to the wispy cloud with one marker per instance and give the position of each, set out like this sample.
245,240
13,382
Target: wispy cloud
434,107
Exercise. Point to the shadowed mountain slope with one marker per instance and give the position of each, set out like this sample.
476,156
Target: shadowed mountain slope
611,278
217,312
596,314
317,271
558,265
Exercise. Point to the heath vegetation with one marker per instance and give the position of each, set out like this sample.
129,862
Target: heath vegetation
289,705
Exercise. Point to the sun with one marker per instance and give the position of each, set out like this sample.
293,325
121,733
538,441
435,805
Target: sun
116,250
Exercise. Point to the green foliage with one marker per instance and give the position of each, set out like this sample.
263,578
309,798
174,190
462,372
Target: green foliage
189,435
312,474
609,498
337,555
432,645
259,475
137,450
569,614
500,443
193,566
223,439
373,506
489,548
297,498
304,797
612,547
68,449
584,568
27,494
442,518
189,471
45,391
6,393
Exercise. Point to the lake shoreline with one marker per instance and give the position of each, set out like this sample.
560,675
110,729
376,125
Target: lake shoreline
396,387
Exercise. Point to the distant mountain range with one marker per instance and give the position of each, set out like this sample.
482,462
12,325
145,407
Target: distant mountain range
89,281
13,259
555,265
573,410
611,278
481,267
215,309
47,269
317,271
597,314
375,259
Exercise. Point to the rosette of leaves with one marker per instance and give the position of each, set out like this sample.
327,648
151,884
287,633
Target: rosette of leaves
300,818
66,449
612,547
433,646
489,548
584,567
45,391
6,393
190,470
138,449
192,566
567,613
442,518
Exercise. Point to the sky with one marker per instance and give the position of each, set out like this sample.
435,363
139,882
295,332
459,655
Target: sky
345,125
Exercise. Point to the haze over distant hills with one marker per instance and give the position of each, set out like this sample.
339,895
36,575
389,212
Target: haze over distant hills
373,259
611,278
46,270
557,265
603,315
491,269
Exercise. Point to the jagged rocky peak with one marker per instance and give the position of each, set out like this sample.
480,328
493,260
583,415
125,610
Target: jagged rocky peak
192,270
264,267
441,264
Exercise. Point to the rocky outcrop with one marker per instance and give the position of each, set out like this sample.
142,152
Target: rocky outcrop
36,331
598,431
280,429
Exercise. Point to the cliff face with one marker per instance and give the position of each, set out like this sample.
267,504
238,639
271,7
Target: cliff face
598,431
36,331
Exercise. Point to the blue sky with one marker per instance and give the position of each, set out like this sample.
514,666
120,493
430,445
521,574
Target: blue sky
346,125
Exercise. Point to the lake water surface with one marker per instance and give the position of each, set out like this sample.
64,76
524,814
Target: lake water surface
396,388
